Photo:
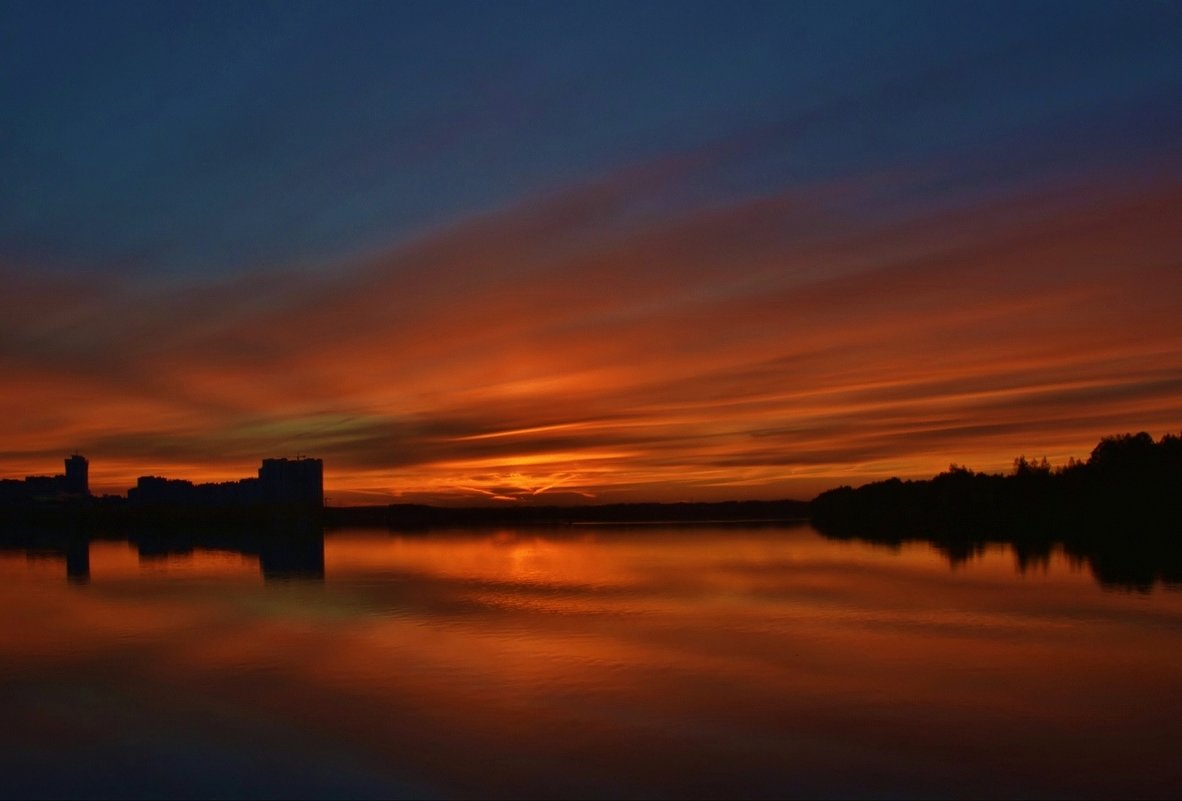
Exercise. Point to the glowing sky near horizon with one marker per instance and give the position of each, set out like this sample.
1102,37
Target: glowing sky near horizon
570,252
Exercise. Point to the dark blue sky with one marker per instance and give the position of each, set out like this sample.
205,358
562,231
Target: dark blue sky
494,251
180,138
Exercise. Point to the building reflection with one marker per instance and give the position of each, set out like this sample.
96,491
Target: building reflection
291,550
288,552
73,552
301,558
77,554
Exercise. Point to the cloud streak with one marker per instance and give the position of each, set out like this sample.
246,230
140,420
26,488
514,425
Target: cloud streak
585,345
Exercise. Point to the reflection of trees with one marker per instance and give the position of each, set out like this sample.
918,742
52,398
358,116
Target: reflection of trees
1120,512
1113,563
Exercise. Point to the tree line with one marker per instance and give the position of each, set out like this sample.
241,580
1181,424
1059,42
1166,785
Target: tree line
1121,509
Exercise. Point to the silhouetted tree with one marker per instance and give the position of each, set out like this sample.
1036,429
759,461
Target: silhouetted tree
1121,510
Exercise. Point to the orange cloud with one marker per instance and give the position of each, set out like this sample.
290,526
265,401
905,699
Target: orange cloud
766,348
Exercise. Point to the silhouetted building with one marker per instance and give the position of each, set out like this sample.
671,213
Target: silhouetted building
159,491
280,483
292,482
76,478
71,486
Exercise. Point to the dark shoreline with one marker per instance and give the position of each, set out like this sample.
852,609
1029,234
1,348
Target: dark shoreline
1120,512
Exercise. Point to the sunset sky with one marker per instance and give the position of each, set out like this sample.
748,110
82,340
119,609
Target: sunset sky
558,252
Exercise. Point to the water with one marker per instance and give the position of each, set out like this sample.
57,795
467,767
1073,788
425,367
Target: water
588,661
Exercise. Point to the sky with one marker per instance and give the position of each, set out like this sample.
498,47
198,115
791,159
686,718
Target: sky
586,252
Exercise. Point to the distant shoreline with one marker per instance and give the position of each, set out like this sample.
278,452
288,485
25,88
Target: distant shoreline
1130,484
1120,512
1130,488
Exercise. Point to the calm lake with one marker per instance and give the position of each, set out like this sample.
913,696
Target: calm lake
586,661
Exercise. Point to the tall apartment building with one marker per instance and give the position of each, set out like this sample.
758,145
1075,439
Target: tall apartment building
292,482
76,479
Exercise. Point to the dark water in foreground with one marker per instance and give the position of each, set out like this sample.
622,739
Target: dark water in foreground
638,662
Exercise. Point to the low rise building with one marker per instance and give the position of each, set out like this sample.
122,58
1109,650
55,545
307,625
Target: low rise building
280,483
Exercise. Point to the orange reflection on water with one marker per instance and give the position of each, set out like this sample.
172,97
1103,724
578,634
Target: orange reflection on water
616,661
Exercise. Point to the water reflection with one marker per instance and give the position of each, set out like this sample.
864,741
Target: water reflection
584,661
283,552
1134,564
295,552
78,561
